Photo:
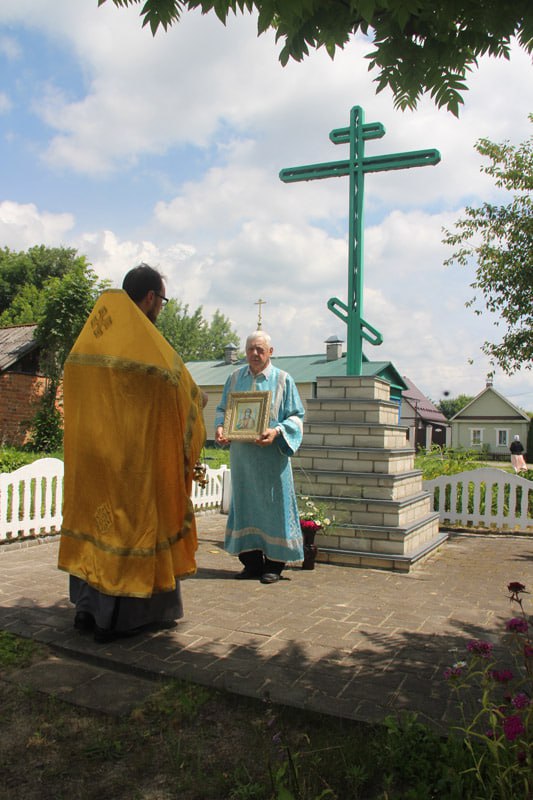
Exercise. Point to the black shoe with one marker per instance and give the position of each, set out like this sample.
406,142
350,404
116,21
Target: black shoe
163,625
107,635
104,635
83,621
246,575
270,577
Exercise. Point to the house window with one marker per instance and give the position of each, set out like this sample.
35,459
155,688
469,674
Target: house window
502,437
476,436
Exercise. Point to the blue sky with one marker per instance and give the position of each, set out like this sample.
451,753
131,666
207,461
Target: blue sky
168,150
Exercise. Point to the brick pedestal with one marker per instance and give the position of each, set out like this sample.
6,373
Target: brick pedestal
356,459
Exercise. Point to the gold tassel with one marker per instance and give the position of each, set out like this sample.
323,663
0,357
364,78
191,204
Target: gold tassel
199,473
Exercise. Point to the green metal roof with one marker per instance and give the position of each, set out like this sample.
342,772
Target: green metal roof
304,369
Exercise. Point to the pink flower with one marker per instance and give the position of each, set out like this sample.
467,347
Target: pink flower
528,650
516,625
309,525
452,672
520,700
480,648
513,727
502,675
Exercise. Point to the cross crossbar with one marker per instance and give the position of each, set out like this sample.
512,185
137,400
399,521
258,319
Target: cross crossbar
356,166
371,130
337,169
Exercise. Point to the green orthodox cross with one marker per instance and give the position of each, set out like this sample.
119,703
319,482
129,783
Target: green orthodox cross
356,166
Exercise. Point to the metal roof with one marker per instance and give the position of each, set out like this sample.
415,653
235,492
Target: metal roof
303,369
15,342
423,407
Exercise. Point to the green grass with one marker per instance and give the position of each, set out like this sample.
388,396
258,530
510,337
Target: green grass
216,456
196,743
445,461
16,652
11,458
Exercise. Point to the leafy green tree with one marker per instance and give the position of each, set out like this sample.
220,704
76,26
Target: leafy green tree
182,330
500,239
33,267
218,334
26,307
191,335
451,405
418,47
68,302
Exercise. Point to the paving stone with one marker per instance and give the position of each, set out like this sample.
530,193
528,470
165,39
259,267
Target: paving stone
357,643
85,684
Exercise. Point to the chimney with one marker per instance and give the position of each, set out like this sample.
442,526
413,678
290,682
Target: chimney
230,354
333,348
488,383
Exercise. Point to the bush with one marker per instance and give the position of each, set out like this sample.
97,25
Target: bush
46,430
12,459
445,461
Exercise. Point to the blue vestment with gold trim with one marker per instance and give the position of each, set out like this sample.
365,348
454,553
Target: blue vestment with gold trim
263,513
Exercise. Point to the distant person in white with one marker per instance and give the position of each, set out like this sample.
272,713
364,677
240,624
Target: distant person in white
517,458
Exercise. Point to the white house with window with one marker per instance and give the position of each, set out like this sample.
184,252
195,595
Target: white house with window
489,423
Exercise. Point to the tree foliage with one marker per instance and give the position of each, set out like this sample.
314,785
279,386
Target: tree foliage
26,307
53,287
500,239
56,289
68,301
451,405
418,46
24,274
191,335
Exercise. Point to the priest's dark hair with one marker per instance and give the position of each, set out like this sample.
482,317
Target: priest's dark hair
140,280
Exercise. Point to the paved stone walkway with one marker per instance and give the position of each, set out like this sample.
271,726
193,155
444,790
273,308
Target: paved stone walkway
356,643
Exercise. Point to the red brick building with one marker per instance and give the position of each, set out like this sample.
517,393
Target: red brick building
21,383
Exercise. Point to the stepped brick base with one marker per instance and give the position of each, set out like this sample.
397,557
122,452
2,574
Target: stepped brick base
355,459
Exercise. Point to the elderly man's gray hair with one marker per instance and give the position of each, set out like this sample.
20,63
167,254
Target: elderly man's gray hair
259,335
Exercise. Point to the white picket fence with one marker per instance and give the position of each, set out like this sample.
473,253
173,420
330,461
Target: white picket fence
487,498
31,498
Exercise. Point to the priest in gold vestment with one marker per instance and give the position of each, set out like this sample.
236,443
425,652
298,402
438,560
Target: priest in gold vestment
133,432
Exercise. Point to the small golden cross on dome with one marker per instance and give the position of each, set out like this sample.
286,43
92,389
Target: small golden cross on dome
259,318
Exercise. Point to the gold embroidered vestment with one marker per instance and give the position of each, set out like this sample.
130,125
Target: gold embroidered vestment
133,432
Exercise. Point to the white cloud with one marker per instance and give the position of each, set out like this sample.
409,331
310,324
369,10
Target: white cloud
23,226
9,48
5,103
207,116
164,93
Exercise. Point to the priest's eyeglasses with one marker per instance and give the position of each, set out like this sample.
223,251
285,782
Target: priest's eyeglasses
164,299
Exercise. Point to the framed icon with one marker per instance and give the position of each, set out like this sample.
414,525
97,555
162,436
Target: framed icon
247,415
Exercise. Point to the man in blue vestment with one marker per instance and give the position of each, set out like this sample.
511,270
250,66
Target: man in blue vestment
263,524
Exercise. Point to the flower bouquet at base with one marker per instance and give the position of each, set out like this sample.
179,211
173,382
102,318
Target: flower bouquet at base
313,518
